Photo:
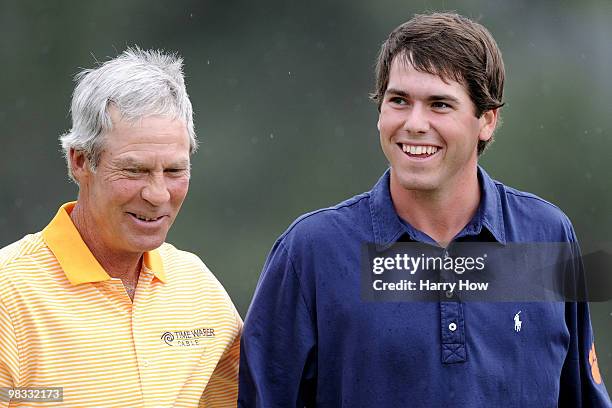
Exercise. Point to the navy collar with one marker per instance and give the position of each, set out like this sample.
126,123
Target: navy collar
388,227
490,210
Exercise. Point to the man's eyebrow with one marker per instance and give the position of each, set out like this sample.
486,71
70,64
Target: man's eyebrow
450,98
130,162
431,98
397,92
134,163
180,164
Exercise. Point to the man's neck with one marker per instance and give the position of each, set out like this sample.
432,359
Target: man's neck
442,213
125,267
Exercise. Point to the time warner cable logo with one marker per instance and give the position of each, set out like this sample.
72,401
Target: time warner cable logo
188,338
168,338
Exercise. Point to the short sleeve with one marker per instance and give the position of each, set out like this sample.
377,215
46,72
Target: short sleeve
9,356
222,388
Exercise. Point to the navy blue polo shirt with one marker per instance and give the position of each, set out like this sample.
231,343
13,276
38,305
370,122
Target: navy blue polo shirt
311,340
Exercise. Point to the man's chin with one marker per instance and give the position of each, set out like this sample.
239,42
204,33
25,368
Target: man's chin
415,179
146,244
418,184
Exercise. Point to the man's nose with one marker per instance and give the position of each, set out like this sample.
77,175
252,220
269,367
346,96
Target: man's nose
416,121
156,191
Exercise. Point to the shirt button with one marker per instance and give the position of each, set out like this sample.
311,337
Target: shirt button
452,327
146,363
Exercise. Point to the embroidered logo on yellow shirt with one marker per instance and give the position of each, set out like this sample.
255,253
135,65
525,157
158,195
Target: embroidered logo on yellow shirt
188,338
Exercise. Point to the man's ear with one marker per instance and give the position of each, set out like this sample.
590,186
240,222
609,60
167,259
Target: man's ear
79,165
488,121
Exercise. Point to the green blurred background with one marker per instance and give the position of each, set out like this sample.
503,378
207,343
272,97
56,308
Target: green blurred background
280,89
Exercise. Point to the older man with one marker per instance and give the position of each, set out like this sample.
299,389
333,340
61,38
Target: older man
96,310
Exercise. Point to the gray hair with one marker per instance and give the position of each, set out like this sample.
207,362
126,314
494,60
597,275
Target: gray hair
139,83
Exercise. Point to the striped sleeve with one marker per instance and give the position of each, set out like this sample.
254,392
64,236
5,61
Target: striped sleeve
222,388
9,363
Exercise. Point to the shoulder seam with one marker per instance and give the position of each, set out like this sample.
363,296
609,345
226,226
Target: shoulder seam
532,197
336,207
19,253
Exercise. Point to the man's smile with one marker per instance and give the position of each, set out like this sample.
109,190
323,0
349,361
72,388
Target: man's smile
419,151
145,219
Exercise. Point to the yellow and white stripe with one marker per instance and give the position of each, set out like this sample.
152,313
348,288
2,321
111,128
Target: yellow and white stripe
64,322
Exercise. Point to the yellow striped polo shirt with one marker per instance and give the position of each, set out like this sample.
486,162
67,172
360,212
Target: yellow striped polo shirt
64,322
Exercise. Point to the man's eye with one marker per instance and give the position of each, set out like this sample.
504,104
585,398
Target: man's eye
176,172
135,170
440,105
397,100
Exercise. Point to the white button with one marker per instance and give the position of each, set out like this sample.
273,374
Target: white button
146,363
452,327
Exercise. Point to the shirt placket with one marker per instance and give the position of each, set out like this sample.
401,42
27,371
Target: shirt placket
452,327
115,291
145,364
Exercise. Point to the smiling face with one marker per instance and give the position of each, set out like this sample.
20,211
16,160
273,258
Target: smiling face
136,191
429,131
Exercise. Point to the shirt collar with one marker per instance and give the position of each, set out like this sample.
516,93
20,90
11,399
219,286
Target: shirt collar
385,221
75,258
490,211
388,227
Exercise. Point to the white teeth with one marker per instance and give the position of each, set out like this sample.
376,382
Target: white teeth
145,218
419,149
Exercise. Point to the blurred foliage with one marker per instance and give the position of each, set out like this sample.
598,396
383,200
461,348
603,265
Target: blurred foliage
280,94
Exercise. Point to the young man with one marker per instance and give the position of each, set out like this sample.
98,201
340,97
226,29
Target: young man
97,310
310,339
